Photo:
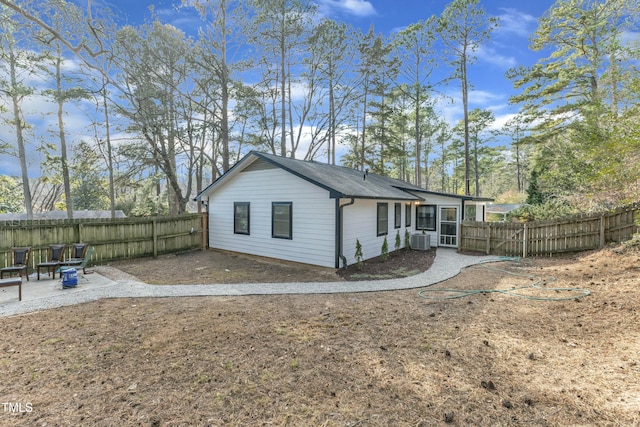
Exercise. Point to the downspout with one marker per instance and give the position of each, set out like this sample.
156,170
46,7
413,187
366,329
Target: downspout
205,230
339,232
459,226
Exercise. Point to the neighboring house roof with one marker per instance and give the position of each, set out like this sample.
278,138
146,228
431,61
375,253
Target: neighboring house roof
85,214
502,208
340,181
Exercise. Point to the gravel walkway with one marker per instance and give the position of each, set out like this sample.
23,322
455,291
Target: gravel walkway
447,264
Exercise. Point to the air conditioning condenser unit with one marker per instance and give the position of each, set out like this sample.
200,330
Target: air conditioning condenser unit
420,241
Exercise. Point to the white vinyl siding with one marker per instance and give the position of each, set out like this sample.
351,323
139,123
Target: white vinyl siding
437,201
313,217
361,222
475,211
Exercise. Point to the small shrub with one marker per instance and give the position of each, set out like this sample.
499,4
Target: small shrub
384,252
407,239
358,254
398,240
634,242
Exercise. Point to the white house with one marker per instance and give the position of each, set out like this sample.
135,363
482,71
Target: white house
313,213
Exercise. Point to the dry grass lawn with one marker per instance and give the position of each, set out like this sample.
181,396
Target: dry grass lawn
371,359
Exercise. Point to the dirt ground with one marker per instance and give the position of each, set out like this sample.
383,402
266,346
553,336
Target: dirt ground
212,266
397,358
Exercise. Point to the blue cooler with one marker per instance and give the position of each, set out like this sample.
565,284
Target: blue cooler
69,278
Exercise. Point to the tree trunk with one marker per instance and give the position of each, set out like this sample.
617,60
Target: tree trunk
364,126
63,141
418,138
112,195
22,155
465,106
283,85
224,81
475,164
331,157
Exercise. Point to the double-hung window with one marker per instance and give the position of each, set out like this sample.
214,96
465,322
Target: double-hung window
407,215
281,220
397,215
426,217
241,213
383,219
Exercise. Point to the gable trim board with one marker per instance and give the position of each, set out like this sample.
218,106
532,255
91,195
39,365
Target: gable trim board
323,230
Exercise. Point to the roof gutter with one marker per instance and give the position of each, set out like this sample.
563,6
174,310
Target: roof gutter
340,231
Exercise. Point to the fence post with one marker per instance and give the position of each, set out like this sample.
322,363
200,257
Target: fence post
525,237
154,228
204,226
602,235
488,237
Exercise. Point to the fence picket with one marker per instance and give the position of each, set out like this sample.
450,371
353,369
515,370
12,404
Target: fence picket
545,238
112,239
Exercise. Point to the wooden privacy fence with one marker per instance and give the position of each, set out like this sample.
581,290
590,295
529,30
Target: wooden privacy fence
113,239
544,238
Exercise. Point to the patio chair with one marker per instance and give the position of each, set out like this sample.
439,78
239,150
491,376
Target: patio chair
77,263
77,255
78,251
55,255
20,263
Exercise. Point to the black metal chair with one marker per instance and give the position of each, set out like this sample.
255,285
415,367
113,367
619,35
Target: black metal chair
20,262
55,255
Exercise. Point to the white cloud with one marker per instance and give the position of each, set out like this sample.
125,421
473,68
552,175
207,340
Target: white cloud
501,120
512,21
41,113
450,107
489,55
348,7
483,97
183,17
630,38
396,30
497,107
299,91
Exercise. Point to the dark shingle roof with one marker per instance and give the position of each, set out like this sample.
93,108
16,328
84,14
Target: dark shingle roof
86,214
340,181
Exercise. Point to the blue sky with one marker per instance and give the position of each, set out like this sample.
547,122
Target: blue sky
507,48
